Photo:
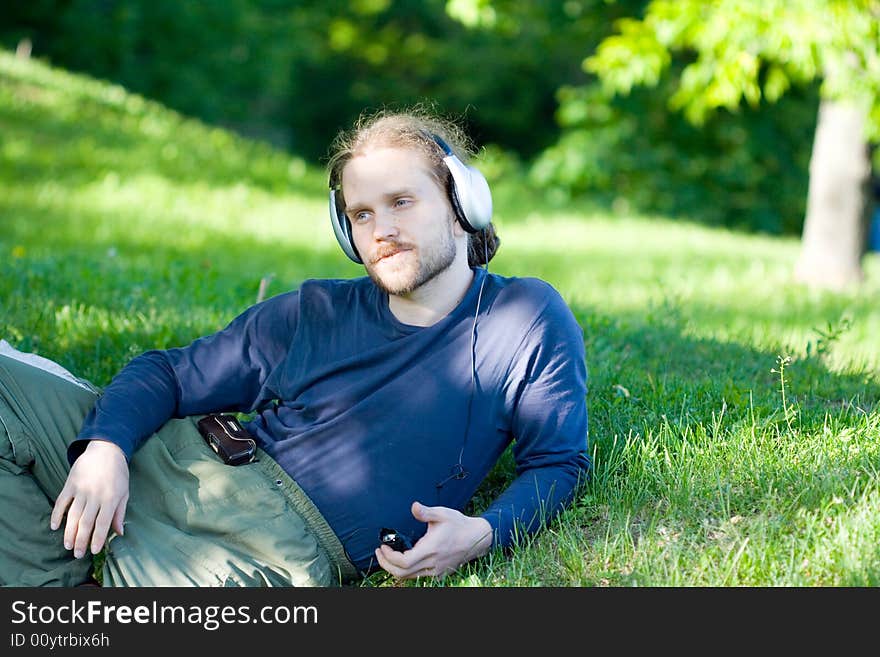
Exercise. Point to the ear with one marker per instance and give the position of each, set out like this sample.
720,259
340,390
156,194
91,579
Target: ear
457,229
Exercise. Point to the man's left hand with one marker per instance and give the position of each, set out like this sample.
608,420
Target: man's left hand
452,539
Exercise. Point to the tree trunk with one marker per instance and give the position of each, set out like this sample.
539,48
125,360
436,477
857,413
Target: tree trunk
835,228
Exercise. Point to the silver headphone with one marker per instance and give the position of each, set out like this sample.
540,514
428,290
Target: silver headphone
469,194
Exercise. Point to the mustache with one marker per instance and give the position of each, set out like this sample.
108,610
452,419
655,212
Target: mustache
388,249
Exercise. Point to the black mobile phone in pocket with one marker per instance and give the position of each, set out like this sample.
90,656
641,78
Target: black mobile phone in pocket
228,438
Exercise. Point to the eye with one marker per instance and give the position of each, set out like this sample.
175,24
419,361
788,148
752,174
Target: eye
360,217
403,202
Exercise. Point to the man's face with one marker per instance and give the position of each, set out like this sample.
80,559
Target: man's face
402,223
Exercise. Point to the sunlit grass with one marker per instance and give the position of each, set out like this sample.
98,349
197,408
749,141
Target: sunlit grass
125,227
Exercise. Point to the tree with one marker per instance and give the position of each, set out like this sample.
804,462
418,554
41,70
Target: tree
757,49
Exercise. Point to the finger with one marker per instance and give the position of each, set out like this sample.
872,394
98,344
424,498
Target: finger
70,527
384,563
428,513
411,560
398,559
61,504
84,530
403,564
119,516
391,561
102,526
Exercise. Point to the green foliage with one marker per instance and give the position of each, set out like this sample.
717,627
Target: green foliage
747,170
206,59
746,50
744,167
745,164
293,73
406,53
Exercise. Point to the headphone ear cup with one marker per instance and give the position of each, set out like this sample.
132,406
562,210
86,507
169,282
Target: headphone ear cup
342,230
470,193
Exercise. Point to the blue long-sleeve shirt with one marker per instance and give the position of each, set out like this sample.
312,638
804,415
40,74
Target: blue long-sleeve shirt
368,414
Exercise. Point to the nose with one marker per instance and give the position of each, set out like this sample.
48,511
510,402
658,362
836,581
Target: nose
385,226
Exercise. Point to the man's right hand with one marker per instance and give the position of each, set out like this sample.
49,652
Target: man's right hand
94,497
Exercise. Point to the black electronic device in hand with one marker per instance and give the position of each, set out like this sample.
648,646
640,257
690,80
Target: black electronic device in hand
395,540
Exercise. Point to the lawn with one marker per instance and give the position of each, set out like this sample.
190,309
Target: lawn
734,416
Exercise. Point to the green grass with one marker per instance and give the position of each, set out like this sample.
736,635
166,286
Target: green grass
734,416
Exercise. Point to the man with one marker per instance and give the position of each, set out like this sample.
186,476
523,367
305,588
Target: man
377,403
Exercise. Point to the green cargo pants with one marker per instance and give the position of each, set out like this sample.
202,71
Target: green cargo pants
191,520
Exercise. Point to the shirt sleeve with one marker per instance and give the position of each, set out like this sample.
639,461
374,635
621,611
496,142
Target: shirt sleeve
547,398
224,371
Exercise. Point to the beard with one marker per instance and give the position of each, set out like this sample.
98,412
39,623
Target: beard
408,271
